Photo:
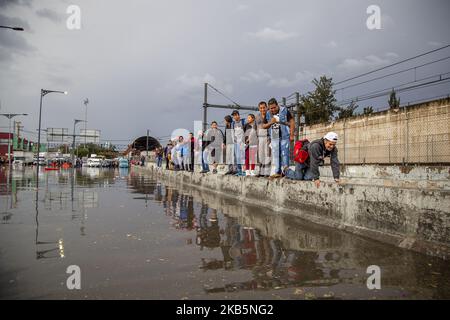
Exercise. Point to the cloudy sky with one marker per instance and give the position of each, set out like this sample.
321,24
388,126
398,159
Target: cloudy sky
142,64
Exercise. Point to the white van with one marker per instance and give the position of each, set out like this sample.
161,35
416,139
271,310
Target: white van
94,161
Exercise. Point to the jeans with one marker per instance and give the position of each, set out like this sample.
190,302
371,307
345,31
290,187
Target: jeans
229,157
239,156
186,161
280,155
264,157
159,161
302,172
205,165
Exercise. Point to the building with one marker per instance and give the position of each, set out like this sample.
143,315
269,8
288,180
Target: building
16,144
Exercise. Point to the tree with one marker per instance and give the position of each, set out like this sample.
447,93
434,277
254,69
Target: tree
394,103
348,111
319,105
90,148
367,110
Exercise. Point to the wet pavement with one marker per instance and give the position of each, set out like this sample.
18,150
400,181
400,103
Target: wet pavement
134,237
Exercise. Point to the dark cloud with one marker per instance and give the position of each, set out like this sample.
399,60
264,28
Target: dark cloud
151,67
13,42
49,14
7,3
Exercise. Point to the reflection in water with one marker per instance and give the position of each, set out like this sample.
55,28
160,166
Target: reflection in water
243,247
187,236
46,249
283,252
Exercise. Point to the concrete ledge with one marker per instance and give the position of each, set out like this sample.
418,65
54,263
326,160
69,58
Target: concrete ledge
413,218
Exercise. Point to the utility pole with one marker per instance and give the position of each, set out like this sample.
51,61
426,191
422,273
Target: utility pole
75,121
297,116
17,127
85,102
146,146
10,134
44,92
205,106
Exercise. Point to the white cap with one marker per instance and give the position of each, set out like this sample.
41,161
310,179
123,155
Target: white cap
331,136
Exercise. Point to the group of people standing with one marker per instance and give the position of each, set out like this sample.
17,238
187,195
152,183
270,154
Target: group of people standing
178,154
260,142
259,145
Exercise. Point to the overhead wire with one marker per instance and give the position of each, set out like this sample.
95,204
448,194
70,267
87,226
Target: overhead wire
391,65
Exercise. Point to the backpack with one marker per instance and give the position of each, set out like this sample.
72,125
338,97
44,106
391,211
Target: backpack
301,151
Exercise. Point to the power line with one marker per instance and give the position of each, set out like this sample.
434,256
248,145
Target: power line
349,100
394,73
385,67
427,99
391,65
380,94
222,94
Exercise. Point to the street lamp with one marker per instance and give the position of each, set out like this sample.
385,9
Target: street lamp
43,93
75,121
10,116
85,102
12,28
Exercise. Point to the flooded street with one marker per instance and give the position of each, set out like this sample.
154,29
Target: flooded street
134,237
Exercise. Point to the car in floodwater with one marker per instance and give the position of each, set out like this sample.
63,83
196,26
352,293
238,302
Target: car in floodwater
18,162
94,161
42,161
107,163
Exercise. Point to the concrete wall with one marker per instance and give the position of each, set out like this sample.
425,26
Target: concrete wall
415,134
394,206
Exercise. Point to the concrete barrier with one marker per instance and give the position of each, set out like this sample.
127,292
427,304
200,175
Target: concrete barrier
406,207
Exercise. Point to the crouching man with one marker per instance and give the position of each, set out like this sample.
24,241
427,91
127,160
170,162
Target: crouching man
318,150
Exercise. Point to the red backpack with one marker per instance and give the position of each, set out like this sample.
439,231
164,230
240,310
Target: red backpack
300,151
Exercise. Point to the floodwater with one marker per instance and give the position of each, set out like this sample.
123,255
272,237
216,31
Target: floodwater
134,237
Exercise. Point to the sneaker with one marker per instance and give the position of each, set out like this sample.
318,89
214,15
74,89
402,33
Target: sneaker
204,171
214,171
229,172
247,172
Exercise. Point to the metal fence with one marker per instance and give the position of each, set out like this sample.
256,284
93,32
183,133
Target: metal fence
416,134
